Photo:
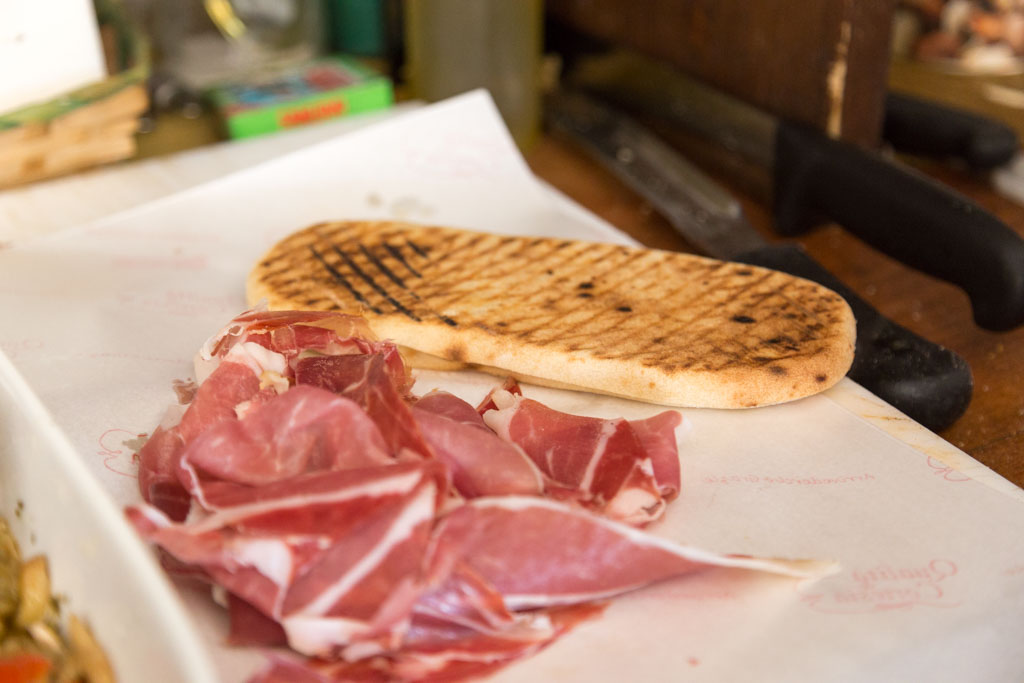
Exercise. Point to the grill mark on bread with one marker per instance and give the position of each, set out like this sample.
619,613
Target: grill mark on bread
806,314
396,253
412,245
581,329
451,250
426,310
536,254
341,280
598,260
398,281
539,327
492,257
385,271
740,351
354,267
368,279
700,306
401,308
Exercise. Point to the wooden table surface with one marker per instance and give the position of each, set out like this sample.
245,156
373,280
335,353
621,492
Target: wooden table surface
992,428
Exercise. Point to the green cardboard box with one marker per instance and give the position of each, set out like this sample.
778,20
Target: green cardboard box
320,89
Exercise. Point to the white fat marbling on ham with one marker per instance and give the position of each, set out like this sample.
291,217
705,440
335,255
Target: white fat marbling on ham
241,503
635,505
607,431
659,436
419,510
258,358
266,546
601,463
271,557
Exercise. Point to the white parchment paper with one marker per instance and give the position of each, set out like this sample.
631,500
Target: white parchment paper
101,319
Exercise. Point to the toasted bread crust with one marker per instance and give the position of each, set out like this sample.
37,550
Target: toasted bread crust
652,325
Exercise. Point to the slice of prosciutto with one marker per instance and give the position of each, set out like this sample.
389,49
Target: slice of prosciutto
481,463
336,558
440,652
366,380
539,553
450,406
293,335
245,364
604,464
657,435
306,429
231,384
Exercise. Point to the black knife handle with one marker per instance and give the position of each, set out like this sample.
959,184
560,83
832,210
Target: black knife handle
903,213
927,382
921,127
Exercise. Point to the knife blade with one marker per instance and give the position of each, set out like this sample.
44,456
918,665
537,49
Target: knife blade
894,208
929,383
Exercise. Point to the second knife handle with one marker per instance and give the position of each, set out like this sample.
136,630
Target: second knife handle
928,382
903,214
923,127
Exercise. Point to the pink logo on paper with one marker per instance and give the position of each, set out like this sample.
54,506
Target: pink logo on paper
117,453
1015,570
941,469
886,587
765,480
178,302
19,348
173,261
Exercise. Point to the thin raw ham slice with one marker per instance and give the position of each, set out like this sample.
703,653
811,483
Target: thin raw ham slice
599,462
336,557
293,334
306,429
158,479
365,379
466,654
284,668
447,653
250,627
450,406
159,458
466,600
539,553
288,331
481,464
657,435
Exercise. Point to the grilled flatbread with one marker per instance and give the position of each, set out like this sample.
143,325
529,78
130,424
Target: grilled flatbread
650,325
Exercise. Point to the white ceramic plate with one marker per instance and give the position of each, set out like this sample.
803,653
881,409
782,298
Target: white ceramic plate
56,507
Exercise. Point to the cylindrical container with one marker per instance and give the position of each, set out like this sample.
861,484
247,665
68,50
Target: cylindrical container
457,45
204,42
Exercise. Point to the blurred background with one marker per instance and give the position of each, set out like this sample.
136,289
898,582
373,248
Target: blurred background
211,70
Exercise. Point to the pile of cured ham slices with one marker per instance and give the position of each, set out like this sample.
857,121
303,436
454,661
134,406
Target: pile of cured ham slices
360,532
